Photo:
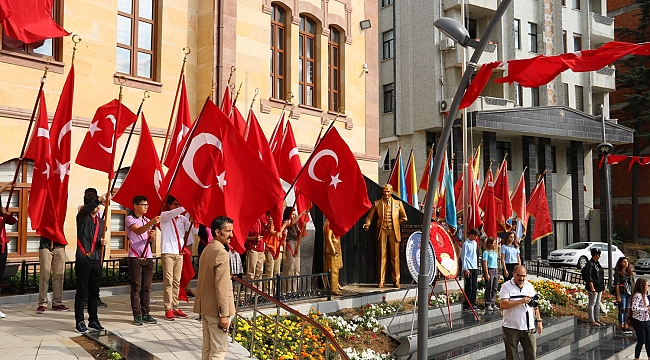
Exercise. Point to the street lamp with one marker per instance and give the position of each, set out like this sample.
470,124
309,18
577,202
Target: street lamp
604,149
456,31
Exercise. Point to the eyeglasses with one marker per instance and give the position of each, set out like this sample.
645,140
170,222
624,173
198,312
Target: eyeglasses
142,204
520,275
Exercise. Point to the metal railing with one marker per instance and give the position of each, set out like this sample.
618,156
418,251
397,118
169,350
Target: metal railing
248,298
290,288
543,269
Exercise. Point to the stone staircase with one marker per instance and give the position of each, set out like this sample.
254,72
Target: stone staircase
562,337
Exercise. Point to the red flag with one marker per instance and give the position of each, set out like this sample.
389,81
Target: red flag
633,159
518,201
97,149
145,175
187,274
502,197
39,151
181,127
257,143
238,119
289,162
644,160
276,138
490,219
426,173
538,208
226,102
473,218
478,84
615,159
220,175
536,71
30,20
335,184
302,203
593,60
60,144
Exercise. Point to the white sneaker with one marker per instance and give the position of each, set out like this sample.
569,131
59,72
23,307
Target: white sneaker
489,308
2,315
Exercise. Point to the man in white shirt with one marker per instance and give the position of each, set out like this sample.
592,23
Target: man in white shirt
520,319
173,227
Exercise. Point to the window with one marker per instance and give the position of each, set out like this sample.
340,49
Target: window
577,42
579,98
517,34
119,240
503,148
389,44
22,239
519,95
334,53
568,160
564,45
49,47
575,4
534,96
566,94
532,37
389,97
386,2
307,63
136,38
278,60
470,24
563,4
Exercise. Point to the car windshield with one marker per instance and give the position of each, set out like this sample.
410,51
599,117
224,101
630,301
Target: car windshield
577,246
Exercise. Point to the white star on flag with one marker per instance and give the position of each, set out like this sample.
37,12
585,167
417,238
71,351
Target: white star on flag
62,169
222,180
335,180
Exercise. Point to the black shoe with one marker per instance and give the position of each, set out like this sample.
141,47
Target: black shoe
96,326
81,327
101,303
189,293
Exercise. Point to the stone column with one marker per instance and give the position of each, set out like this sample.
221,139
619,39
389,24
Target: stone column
529,157
577,191
546,163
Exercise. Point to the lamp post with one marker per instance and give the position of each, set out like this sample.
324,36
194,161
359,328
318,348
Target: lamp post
604,149
456,31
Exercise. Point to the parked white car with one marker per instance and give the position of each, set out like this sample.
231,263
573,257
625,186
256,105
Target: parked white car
642,266
577,254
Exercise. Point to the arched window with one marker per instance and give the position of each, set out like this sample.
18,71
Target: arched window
278,45
307,63
22,239
333,68
119,241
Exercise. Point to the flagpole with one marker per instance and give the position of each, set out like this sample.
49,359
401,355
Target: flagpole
107,200
29,130
186,51
128,139
341,109
234,100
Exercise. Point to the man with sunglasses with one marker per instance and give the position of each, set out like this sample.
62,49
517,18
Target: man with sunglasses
140,230
521,317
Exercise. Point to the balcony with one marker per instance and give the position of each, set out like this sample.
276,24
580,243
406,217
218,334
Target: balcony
454,56
476,7
602,29
604,80
490,103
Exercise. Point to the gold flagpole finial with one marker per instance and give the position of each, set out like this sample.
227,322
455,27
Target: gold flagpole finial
257,92
76,39
232,71
122,81
144,97
186,51
214,84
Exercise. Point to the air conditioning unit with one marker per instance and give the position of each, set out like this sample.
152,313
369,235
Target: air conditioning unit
447,43
444,106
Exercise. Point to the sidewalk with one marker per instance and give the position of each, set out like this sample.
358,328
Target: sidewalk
27,335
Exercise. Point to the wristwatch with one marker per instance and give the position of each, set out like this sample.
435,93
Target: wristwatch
538,320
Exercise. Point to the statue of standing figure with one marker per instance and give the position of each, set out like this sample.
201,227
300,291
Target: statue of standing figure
333,258
390,214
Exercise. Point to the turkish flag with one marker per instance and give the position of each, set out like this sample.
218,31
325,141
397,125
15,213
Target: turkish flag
538,208
502,197
593,60
276,139
257,142
478,84
238,120
144,177
489,210
426,173
181,127
226,102
220,175
39,151
302,203
30,21
536,71
289,162
187,274
518,201
54,215
473,218
333,181
97,150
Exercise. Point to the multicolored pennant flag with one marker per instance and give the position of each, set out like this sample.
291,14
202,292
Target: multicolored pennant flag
426,173
393,178
411,182
450,200
538,208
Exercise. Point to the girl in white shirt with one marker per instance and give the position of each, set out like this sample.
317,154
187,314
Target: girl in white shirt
640,317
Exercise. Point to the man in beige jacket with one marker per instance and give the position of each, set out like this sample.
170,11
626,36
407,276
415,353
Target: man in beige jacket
214,298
